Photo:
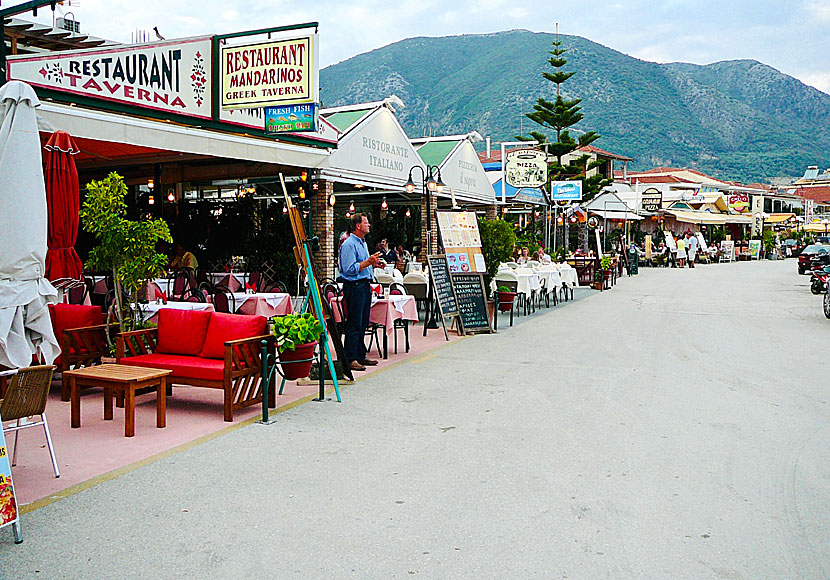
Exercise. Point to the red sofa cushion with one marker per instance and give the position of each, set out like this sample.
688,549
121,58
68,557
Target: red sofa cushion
190,367
224,327
181,331
66,316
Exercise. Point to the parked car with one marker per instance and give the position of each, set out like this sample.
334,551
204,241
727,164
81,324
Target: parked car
795,247
808,253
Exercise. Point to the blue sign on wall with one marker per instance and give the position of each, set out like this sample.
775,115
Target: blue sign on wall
291,119
566,190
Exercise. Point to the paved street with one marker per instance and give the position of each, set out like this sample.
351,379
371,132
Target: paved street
674,427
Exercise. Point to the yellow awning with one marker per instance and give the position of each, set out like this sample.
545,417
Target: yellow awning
733,218
777,218
696,217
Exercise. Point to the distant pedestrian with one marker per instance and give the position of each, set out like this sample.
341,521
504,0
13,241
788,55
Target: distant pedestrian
681,252
692,251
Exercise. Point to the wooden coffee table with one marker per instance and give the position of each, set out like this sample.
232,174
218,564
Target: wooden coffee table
118,378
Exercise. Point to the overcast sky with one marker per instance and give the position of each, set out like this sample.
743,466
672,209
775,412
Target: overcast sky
792,36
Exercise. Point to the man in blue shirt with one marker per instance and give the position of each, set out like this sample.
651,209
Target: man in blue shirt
356,267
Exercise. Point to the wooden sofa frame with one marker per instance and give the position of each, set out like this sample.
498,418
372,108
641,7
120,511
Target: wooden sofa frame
241,383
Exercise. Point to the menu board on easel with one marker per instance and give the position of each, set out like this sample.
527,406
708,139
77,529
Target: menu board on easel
442,284
461,240
472,303
8,505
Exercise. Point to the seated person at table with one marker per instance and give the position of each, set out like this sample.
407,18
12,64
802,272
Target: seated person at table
403,255
183,259
389,255
544,258
523,259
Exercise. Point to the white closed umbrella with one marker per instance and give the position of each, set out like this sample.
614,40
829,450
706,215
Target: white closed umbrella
25,325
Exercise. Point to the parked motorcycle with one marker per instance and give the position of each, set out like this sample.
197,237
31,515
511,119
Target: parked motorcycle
819,273
826,304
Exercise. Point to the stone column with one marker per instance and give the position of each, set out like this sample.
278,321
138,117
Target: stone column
428,213
492,212
322,225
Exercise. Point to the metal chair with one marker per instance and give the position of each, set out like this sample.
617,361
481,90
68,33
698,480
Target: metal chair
26,397
279,287
193,295
223,300
256,281
398,289
182,281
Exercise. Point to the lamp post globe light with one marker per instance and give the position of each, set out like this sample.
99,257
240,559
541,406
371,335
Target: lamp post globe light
430,183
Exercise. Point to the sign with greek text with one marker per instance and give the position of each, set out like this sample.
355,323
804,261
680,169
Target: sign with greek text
171,76
738,202
526,168
291,119
269,73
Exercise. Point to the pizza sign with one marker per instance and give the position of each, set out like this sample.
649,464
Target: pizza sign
739,202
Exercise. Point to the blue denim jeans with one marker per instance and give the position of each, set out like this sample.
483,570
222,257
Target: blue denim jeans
358,298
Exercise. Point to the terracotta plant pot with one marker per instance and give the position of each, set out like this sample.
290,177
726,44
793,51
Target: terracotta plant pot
298,370
506,301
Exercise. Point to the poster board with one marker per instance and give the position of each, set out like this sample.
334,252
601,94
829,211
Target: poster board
599,244
442,283
471,297
8,505
754,249
703,246
461,240
649,246
728,249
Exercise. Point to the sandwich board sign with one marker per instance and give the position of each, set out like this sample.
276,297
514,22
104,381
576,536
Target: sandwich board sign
8,505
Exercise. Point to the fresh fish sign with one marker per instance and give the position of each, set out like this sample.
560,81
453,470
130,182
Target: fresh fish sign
291,119
526,168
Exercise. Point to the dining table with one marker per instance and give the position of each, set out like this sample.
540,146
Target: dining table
150,310
384,311
233,281
266,304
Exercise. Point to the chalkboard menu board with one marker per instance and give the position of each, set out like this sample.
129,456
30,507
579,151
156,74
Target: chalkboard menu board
442,285
472,302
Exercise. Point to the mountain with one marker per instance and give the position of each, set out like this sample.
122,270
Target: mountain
739,120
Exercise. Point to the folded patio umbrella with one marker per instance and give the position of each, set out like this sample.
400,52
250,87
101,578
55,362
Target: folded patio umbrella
63,203
25,326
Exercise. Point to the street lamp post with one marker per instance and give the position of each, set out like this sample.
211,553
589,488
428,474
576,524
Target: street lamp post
431,182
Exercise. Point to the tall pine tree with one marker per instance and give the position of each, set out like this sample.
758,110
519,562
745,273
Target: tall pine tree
560,115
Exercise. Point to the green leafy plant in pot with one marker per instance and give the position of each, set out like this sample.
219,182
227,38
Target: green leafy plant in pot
505,297
297,336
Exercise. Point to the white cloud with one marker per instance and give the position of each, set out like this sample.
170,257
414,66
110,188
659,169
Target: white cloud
819,10
821,81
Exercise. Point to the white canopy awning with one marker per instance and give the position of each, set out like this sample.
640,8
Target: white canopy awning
115,128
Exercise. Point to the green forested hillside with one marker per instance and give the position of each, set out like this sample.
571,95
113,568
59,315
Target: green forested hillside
738,119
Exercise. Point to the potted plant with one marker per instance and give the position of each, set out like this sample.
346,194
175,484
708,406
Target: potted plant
497,241
297,336
505,298
605,267
597,285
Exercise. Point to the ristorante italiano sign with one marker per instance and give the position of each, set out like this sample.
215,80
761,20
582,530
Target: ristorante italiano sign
172,76
269,73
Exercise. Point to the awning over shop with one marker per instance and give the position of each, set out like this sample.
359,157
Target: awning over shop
460,167
373,149
696,217
532,195
779,218
732,218
144,133
609,206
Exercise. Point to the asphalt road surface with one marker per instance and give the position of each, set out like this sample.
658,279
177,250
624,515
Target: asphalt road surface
676,426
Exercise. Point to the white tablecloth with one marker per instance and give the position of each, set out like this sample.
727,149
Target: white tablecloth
233,280
264,303
550,279
149,311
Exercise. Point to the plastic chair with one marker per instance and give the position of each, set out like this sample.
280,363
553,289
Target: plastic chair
26,397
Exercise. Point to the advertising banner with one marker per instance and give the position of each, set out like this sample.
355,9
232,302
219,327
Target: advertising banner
738,202
809,210
754,249
269,73
461,240
566,190
652,199
757,215
171,76
291,119
8,505
526,168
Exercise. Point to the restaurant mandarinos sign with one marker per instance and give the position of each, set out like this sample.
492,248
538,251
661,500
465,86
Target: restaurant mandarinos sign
172,76
270,73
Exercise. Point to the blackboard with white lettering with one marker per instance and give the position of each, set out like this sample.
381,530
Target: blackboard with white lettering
442,285
471,298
